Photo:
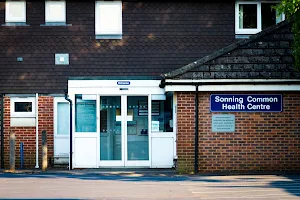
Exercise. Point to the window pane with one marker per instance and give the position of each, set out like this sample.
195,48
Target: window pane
268,15
137,128
63,118
162,115
247,16
110,128
85,115
23,106
16,9
55,11
109,18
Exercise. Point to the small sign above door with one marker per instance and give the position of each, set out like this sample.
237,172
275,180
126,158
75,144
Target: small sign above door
123,82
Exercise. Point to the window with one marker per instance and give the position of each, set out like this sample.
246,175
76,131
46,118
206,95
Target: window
55,11
162,113
15,11
251,17
85,113
108,18
22,107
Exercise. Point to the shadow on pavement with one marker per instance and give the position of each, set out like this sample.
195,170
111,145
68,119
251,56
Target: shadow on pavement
113,176
291,185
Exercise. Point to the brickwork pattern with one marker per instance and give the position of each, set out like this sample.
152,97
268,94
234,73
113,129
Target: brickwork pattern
27,135
46,122
262,142
185,131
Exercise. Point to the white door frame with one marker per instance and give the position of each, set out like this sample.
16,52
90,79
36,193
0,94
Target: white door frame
55,124
124,162
111,88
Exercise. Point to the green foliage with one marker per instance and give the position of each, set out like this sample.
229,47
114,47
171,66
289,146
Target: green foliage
291,8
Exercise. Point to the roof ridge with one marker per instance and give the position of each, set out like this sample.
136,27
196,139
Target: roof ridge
224,50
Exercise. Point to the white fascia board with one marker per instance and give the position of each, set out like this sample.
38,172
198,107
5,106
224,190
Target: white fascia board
111,83
232,88
230,80
111,87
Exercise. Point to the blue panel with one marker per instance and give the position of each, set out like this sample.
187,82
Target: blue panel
246,103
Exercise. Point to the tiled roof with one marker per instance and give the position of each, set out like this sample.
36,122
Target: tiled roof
267,54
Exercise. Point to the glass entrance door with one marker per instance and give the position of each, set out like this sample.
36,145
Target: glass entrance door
124,138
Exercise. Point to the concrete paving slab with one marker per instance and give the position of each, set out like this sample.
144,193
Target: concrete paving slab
117,185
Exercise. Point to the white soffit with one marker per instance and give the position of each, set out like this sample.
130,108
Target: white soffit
241,85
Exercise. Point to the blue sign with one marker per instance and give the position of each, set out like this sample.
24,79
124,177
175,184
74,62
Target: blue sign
123,82
246,103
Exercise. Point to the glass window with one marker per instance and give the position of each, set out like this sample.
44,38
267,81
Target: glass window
247,16
137,128
162,114
23,106
110,128
108,18
269,15
15,11
85,114
253,16
63,118
55,11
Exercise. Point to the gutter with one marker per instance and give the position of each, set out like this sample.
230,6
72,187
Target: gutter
196,129
71,131
37,130
163,83
2,132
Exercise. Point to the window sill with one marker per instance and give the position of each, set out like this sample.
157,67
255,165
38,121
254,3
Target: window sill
118,37
55,24
238,36
15,24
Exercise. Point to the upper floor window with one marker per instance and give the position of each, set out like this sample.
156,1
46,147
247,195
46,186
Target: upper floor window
55,11
252,16
108,18
15,11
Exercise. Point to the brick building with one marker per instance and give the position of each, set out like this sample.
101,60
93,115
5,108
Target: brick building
113,63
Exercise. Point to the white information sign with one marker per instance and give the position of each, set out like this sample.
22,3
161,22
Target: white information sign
155,126
223,123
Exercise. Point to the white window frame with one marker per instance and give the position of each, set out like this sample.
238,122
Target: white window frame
98,30
258,20
47,12
239,30
8,18
13,100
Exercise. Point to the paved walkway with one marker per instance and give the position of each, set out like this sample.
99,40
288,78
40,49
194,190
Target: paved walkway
117,185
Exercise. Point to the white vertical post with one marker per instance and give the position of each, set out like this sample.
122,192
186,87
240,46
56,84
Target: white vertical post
98,128
37,130
150,128
124,128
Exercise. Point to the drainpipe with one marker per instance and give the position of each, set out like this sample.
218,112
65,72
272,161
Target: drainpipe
2,132
71,135
37,130
196,128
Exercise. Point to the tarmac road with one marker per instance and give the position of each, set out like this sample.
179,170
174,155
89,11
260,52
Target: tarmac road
145,185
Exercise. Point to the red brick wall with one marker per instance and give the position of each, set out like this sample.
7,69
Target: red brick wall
27,135
267,142
46,123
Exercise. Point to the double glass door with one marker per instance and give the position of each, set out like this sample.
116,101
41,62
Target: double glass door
124,136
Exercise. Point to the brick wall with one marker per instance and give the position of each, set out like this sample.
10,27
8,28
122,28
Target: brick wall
27,135
46,123
262,142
